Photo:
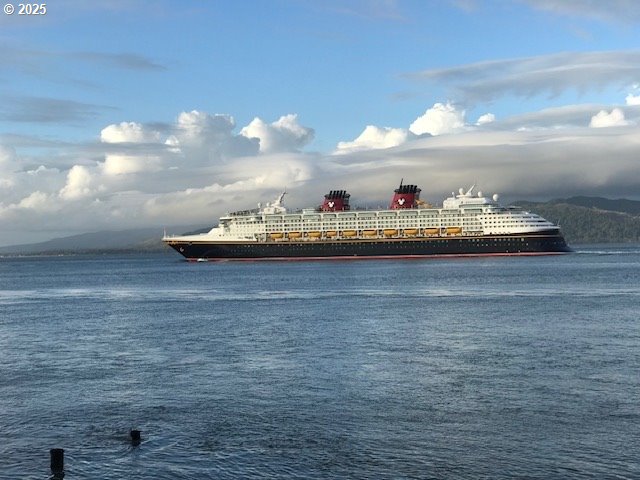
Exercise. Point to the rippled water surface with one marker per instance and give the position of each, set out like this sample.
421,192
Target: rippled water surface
467,368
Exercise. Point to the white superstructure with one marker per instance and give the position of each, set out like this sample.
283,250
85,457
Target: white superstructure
464,214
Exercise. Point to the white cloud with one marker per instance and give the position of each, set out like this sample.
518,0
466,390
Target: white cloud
122,163
197,126
204,138
238,186
283,135
36,201
438,120
556,118
632,99
486,118
603,119
78,183
128,132
531,76
548,164
173,143
128,164
375,138
197,138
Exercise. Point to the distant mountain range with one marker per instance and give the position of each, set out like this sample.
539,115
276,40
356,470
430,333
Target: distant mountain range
135,240
582,219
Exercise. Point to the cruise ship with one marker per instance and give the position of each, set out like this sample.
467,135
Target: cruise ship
466,224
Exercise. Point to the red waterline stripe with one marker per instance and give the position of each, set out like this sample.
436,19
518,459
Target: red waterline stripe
375,257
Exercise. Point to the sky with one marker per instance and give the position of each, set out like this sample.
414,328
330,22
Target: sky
118,114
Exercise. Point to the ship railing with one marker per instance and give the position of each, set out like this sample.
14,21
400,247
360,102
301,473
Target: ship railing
367,234
242,213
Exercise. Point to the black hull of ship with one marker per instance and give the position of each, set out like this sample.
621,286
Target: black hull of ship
538,244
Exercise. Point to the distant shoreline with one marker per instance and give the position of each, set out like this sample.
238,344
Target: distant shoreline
81,253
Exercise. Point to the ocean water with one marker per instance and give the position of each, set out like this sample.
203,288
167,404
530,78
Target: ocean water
470,368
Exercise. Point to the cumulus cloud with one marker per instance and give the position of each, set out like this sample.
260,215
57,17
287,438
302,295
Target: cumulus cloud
442,118
486,118
283,135
238,186
197,126
36,201
375,138
632,99
532,76
438,120
208,138
126,164
196,138
603,119
78,184
132,161
129,132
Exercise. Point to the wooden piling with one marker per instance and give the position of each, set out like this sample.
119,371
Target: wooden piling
57,460
135,437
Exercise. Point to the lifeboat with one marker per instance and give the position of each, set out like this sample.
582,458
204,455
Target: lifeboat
390,232
370,233
294,235
411,232
314,234
276,235
349,233
422,204
431,231
454,230
331,234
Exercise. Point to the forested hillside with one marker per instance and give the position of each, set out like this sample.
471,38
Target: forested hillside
585,224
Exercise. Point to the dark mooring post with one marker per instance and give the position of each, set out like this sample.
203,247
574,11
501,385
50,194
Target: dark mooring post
57,461
135,437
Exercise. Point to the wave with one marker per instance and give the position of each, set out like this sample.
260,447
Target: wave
264,295
623,251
